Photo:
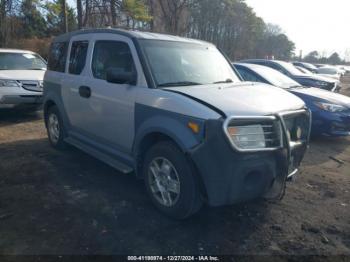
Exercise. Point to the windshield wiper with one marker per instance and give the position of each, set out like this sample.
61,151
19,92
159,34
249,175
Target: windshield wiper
224,82
180,83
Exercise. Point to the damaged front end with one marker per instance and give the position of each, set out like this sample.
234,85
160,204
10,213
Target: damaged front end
254,159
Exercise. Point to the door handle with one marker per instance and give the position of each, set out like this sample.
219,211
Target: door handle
85,91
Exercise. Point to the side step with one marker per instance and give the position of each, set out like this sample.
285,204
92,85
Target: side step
99,155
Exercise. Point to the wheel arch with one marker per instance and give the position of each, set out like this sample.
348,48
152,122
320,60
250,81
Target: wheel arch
153,137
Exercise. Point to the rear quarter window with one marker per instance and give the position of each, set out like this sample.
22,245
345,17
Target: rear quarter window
57,57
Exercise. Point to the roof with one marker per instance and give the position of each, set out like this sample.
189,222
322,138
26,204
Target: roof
129,33
9,50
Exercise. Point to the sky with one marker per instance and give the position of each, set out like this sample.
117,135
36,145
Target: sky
322,25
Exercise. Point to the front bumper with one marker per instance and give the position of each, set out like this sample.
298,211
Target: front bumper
331,124
18,96
229,176
16,100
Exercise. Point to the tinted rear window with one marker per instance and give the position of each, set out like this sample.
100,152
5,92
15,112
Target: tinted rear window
78,57
57,56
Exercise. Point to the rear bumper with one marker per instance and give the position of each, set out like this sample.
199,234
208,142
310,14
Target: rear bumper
229,176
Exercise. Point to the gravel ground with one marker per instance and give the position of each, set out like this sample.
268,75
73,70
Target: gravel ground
67,202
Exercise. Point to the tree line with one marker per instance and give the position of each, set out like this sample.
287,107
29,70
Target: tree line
230,24
315,57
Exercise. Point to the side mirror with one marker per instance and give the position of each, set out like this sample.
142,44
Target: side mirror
117,76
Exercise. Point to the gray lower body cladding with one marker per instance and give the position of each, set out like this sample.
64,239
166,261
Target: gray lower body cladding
230,177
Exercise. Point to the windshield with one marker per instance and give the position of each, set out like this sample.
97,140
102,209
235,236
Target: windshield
21,61
276,78
290,68
181,64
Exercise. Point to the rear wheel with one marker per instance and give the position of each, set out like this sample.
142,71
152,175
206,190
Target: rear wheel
55,128
170,181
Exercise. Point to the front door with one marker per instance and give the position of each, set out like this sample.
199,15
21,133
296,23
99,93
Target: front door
108,108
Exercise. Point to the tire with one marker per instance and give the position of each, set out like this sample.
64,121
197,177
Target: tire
178,197
55,128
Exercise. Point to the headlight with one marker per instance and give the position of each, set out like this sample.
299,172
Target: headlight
248,137
254,135
9,83
330,107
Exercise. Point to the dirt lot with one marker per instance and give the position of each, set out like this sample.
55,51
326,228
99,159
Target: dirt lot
67,202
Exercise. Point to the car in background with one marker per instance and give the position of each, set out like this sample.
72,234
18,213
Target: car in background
289,70
21,79
330,111
330,71
305,71
320,65
342,70
308,66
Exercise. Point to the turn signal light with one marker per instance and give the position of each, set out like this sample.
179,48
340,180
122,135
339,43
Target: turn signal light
194,127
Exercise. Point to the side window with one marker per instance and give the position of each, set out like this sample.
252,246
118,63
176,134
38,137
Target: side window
248,76
78,57
111,54
57,56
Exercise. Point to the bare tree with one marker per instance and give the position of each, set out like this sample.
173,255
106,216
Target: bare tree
171,16
80,14
3,19
113,12
87,11
64,16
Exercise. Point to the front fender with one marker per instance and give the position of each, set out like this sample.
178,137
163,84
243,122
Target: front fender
150,120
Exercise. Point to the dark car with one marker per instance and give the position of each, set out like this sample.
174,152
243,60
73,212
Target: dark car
291,71
307,66
330,111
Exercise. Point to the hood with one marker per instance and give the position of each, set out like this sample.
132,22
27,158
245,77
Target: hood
37,75
323,95
316,77
246,99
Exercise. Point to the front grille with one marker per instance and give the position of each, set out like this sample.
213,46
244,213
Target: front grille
268,133
35,86
297,126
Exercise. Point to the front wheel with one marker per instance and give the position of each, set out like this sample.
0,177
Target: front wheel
55,128
170,181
